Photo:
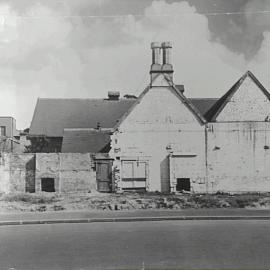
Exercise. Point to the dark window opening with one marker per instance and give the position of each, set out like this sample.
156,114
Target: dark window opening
3,131
183,184
47,184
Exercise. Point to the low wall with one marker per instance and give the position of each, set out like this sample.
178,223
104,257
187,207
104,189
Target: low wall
71,172
17,172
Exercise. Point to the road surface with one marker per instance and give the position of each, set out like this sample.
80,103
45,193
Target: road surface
156,245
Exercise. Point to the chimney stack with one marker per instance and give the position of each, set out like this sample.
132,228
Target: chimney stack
156,61
157,67
166,49
113,95
156,50
167,54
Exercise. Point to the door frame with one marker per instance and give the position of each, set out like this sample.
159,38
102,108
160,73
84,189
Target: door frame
109,163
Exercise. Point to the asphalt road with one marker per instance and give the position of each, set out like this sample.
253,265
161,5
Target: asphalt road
158,245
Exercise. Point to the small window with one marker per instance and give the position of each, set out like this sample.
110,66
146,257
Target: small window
47,184
2,130
183,184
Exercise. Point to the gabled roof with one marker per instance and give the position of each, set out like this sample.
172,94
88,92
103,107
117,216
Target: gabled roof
51,116
178,93
203,104
216,109
86,141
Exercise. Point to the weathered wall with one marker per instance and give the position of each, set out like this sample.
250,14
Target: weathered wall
238,156
17,172
249,103
73,172
158,125
4,173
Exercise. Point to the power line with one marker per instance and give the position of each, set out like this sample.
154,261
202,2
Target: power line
140,15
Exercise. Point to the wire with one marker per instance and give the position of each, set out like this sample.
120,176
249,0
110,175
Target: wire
140,15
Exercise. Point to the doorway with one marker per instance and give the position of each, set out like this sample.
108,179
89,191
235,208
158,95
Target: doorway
104,175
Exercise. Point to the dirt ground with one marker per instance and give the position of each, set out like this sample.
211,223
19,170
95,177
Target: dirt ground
41,202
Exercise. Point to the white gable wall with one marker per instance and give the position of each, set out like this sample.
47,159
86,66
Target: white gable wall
248,103
159,124
238,157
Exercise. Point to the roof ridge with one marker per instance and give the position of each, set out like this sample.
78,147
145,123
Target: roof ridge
87,99
203,98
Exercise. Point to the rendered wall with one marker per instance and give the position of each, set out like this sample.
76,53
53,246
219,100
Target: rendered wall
158,125
238,156
17,172
73,172
249,103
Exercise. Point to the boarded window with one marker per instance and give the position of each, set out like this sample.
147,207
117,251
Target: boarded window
183,184
134,174
47,184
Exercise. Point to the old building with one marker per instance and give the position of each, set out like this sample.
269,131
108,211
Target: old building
163,130
55,120
160,141
238,138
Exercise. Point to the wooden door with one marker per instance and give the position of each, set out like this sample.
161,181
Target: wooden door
104,175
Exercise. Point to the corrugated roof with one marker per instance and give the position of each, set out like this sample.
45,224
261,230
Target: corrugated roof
51,116
86,141
215,110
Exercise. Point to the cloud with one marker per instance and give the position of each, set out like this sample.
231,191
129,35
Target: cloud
46,54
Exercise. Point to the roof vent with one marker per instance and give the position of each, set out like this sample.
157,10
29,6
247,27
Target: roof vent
113,95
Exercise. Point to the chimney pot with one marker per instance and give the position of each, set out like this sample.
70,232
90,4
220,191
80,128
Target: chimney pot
166,49
157,67
166,44
113,95
156,51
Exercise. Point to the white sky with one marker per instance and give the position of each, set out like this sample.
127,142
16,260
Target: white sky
85,48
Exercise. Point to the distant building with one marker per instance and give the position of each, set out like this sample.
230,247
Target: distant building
9,135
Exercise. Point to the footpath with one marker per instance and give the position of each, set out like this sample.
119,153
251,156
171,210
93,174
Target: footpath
28,218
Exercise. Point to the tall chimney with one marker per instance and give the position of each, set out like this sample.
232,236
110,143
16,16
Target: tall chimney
166,60
156,61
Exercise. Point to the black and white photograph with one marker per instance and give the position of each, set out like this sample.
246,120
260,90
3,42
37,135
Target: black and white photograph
134,134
